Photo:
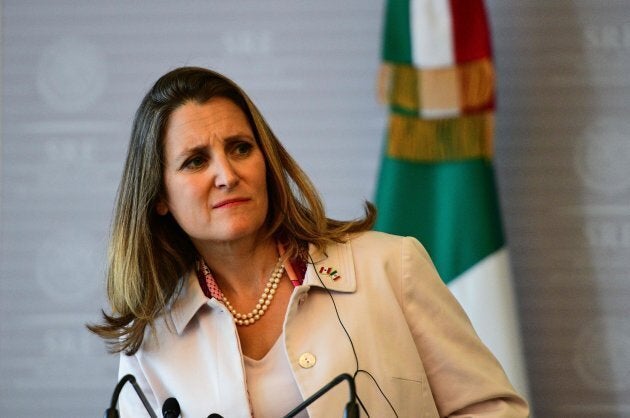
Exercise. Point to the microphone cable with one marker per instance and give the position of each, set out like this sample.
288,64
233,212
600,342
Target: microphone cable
354,352
112,412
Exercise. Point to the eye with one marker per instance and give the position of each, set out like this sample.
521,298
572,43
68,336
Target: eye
194,162
242,148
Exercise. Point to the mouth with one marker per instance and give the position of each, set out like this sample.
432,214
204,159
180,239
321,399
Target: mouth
230,202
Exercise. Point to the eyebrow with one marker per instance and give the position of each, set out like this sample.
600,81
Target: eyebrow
201,149
189,151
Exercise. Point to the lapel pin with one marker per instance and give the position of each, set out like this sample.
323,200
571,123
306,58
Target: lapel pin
330,272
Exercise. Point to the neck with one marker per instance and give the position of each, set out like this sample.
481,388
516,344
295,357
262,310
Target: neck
238,268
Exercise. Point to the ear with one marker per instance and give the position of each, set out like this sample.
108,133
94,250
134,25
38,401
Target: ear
161,207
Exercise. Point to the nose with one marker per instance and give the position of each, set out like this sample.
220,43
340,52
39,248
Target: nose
225,175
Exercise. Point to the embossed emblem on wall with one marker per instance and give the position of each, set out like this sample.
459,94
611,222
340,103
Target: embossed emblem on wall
72,74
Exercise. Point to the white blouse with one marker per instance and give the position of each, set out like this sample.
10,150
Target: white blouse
272,389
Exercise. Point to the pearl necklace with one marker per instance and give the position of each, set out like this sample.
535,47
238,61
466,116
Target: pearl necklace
263,302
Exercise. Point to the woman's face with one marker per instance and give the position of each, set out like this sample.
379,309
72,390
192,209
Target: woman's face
214,173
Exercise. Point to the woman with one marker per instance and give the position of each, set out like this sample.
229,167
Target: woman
232,292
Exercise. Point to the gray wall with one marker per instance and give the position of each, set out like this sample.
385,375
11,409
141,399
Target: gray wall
74,71
563,148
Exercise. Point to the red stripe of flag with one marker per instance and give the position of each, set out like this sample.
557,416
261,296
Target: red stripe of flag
471,34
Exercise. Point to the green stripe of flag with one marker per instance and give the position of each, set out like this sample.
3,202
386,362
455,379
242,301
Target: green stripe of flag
397,33
451,207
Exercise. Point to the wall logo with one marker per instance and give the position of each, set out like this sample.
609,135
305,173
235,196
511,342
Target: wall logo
247,42
71,75
602,157
602,354
68,267
608,36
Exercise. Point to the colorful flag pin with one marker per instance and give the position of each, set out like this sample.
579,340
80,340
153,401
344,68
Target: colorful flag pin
330,272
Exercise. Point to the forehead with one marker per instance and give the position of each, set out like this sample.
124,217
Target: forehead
218,115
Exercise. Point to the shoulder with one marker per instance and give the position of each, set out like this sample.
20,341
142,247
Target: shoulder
380,244
382,255
367,240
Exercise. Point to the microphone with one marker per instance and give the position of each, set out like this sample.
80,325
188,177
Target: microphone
171,409
350,411
112,412
215,416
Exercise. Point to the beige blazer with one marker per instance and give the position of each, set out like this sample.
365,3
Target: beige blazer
412,340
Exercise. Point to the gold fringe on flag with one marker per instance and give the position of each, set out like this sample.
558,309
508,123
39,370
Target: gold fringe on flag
403,87
477,81
426,92
383,82
435,140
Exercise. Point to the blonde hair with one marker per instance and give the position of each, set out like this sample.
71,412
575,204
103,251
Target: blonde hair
149,253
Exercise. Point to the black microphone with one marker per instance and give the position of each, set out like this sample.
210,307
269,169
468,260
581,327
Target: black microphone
215,416
171,408
112,412
350,411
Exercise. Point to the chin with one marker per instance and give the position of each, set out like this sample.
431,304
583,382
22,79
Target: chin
236,234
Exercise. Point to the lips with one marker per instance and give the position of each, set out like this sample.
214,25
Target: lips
230,202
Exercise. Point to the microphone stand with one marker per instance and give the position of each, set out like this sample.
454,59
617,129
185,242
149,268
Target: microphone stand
112,412
351,410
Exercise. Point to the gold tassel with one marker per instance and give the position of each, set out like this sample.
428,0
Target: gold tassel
404,87
477,80
422,140
432,93
383,84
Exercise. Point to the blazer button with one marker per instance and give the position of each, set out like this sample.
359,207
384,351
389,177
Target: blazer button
307,360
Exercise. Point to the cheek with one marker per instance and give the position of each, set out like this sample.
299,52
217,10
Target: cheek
182,196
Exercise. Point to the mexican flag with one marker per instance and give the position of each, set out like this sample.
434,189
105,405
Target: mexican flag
436,179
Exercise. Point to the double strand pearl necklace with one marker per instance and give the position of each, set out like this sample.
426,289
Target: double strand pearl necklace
263,302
